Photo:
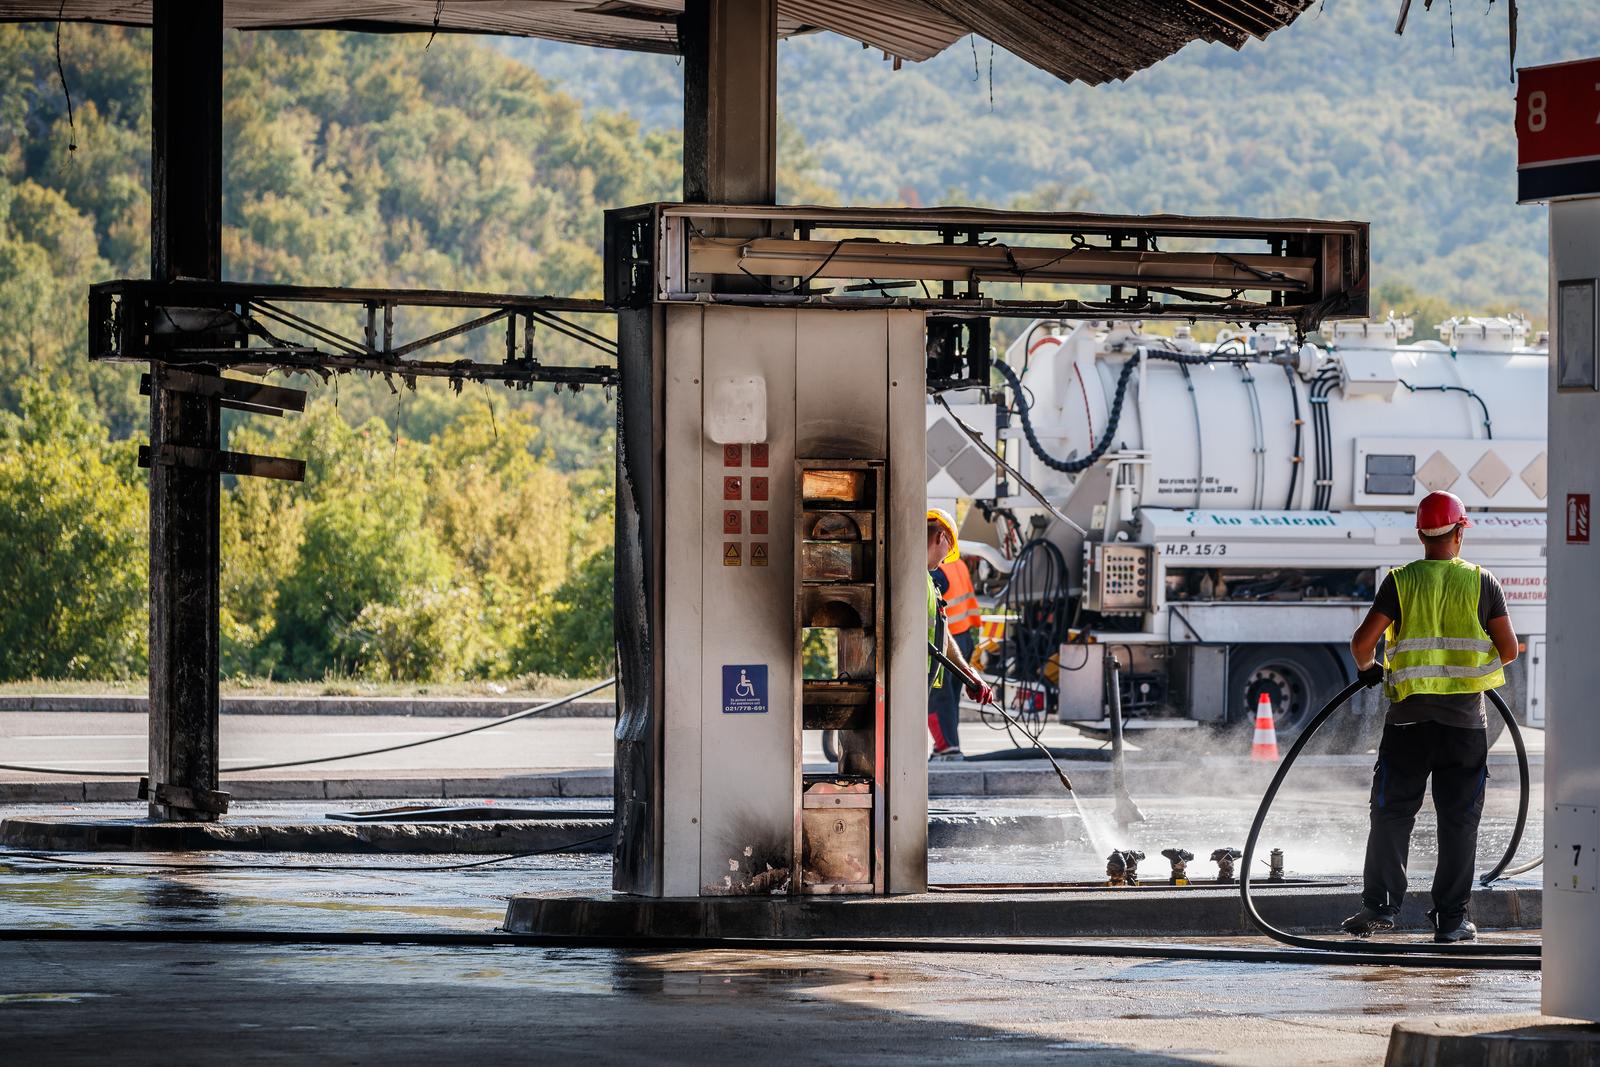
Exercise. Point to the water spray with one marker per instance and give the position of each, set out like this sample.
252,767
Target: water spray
1124,811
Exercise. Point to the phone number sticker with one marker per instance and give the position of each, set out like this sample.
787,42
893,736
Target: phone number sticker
1194,548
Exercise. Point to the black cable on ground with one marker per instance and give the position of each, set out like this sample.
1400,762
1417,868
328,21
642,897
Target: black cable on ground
1400,953
50,857
569,698
429,939
1098,755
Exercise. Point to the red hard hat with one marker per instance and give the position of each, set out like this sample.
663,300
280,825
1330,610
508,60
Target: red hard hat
1440,511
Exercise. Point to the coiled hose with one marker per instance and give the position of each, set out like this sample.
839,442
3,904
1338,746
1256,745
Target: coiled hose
1035,596
1083,462
1113,417
1385,948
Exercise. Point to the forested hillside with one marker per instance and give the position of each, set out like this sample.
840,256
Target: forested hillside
445,536
1334,117
436,535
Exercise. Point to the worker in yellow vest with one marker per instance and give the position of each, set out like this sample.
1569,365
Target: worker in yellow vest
943,549
1447,639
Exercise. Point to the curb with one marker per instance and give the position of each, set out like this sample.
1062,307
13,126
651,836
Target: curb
1107,912
51,834
418,706
529,835
1024,778
1494,1041
572,784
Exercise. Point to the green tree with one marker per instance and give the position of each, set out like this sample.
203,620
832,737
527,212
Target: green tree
364,544
572,635
73,520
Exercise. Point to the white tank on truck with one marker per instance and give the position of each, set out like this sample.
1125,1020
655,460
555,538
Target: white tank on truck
1232,505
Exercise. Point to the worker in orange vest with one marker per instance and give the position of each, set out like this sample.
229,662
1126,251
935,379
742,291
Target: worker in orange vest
962,616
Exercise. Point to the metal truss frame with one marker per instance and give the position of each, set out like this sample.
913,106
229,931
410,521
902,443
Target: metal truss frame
1300,271
246,325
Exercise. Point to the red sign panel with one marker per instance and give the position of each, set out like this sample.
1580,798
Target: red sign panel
1558,113
732,455
1558,130
758,488
732,488
731,522
1577,518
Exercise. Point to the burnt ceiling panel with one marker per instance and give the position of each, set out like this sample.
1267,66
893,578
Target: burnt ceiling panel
1092,41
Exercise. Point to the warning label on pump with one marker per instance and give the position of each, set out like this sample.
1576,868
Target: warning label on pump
730,554
744,688
758,553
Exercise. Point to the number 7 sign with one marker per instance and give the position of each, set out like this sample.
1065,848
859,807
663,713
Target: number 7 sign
1558,130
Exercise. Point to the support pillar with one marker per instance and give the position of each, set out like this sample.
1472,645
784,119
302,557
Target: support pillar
185,242
730,101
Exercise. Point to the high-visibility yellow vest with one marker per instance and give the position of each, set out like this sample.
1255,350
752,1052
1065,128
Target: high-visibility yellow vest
935,675
1439,646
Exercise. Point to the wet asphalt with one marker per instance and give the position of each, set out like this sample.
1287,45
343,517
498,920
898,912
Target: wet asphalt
174,1003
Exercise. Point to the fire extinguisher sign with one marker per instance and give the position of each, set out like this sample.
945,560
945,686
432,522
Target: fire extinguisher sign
1577,518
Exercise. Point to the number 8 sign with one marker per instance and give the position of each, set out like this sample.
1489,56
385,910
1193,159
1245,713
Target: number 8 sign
1558,130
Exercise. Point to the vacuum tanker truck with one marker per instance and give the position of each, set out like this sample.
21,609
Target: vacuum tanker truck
1218,516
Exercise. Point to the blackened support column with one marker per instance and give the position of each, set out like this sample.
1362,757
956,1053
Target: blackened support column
185,242
730,101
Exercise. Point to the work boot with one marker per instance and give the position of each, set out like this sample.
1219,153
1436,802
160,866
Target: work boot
1368,921
944,754
1448,933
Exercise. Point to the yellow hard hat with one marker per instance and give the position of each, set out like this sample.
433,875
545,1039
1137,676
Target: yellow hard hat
943,518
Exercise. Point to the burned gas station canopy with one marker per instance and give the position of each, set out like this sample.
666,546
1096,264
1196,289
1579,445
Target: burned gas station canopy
1076,40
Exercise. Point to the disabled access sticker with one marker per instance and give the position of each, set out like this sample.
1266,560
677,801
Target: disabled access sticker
744,688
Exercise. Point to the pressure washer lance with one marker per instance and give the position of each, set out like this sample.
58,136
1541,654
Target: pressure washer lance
1008,717
1122,867
1225,858
1179,858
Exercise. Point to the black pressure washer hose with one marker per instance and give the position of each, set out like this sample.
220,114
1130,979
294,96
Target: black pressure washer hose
1399,950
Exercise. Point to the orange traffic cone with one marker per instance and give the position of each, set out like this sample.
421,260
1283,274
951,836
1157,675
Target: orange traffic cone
1265,746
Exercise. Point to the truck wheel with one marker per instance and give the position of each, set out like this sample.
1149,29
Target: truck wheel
1298,679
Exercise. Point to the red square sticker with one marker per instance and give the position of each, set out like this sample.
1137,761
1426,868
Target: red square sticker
758,522
758,455
731,523
732,455
758,489
1577,518
732,488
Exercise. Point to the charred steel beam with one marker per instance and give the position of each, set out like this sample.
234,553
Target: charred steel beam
230,324
730,100
221,461
185,242
1080,264
1168,266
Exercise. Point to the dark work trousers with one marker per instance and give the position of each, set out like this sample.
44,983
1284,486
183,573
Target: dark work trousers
1457,758
945,702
